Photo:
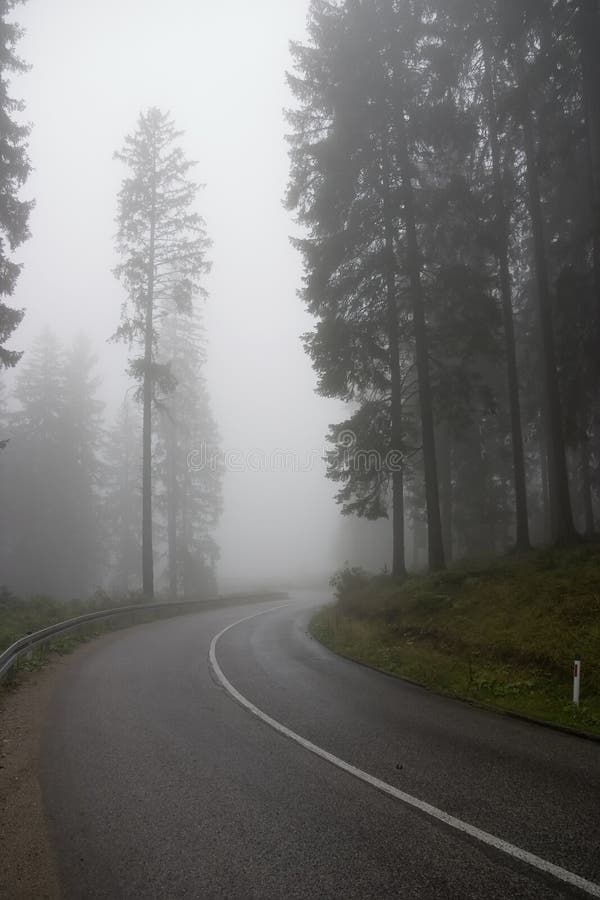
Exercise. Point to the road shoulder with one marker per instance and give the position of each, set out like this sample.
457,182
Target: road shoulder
27,867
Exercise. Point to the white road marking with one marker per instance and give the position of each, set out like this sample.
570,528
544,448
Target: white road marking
589,887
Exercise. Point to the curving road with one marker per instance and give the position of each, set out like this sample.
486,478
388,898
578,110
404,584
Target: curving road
159,784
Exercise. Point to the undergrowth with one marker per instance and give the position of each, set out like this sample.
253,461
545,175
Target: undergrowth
502,633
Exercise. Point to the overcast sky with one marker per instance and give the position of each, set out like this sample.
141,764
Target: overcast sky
220,70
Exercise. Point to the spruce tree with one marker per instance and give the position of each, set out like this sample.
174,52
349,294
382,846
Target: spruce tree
14,170
35,473
53,475
374,114
121,499
563,529
188,460
445,166
82,438
587,31
344,189
162,244
502,254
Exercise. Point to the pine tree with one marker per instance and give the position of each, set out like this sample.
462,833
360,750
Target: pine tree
35,475
470,32
188,460
82,436
52,472
587,32
378,111
345,190
502,253
122,492
4,439
162,244
14,170
525,67
445,164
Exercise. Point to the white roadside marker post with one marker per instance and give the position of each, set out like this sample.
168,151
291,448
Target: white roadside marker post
576,680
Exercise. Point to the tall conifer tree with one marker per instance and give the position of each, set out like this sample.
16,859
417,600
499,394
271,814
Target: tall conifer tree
14,170
162,243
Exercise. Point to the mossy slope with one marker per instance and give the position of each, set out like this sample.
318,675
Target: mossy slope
503,633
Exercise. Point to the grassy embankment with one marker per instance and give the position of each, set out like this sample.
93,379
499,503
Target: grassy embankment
501,633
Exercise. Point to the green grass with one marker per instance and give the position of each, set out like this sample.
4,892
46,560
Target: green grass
18,616
502,633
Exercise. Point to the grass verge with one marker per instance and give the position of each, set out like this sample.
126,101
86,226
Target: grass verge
20,616
503,633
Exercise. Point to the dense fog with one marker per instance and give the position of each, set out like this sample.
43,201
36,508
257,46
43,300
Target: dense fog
290,261
220,71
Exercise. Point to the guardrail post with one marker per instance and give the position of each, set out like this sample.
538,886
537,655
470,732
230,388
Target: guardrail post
576,680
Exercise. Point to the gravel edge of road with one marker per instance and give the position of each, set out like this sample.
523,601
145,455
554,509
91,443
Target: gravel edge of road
27,867
27,864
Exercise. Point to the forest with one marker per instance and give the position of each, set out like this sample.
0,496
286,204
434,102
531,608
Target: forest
300,449
444,178
445,167
93,501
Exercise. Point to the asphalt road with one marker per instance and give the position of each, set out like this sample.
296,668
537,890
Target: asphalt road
158,783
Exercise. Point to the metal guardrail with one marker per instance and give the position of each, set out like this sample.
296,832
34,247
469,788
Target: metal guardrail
10,657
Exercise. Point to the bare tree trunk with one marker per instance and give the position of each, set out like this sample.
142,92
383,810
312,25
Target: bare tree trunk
397,433
419,542
398,552
148,391
563,528
171,508
586,484
186,541
502,253
434,522
546,507
147,551
445,477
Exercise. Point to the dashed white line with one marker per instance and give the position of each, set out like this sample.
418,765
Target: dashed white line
524,856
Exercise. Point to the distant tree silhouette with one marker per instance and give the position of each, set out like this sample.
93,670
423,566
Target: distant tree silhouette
122,494
162,244
15,168
52,474
445,162
191,494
